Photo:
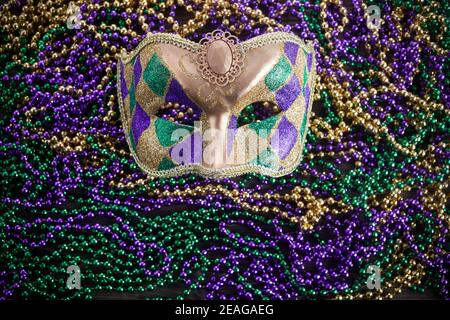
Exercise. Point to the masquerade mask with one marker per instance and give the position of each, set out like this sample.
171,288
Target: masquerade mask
219,107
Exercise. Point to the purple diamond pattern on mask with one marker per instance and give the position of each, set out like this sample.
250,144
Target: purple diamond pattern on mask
123,83
287,95
283,142
140,122
176,94
232,128
188,151
137,71
290,50
309,61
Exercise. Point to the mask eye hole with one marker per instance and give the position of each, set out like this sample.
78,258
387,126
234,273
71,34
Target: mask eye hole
257,111
178,113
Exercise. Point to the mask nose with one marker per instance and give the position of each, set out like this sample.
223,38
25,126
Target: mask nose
215,150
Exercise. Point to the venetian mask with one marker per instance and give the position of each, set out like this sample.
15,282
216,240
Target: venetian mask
219,107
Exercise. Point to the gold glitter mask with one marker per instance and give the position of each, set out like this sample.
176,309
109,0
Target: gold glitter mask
219,107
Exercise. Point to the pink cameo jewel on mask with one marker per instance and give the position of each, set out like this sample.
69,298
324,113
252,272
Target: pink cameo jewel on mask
220,58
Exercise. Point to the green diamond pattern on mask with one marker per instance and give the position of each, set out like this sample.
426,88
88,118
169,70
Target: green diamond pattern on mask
133,143
278,75
156,75
268,159
263,127
165,132
303,126
166,164
305,77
